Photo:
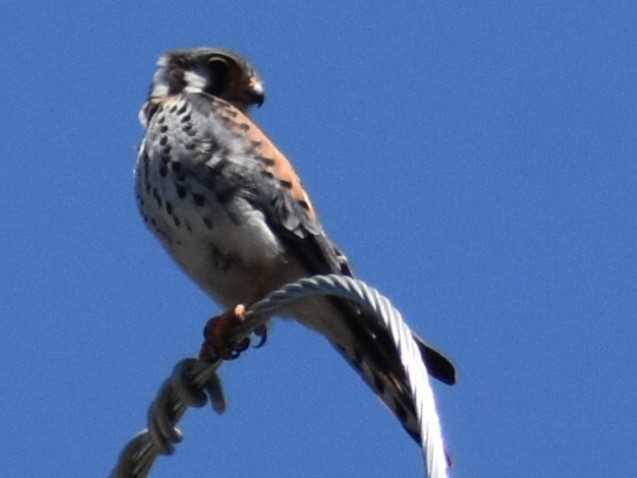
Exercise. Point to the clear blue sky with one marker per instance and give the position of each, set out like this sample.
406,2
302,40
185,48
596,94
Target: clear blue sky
476,163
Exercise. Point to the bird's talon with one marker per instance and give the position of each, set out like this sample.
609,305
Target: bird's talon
262,332
242,345
218,336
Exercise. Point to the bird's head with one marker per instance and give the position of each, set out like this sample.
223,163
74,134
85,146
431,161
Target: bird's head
214,71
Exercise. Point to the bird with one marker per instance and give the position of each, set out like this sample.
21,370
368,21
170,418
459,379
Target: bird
228,207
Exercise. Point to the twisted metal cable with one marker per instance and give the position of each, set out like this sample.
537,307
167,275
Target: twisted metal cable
190,384
193,382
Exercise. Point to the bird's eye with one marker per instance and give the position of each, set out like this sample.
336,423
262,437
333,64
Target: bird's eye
218,66
218,72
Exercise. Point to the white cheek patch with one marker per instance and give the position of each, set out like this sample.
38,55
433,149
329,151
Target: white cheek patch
196,81
160,85
160,89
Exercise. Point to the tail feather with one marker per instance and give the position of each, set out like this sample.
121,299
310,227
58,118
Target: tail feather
364,342
372,353
387,389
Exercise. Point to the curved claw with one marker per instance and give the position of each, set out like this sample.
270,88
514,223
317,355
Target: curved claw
262,332
217,333
242,345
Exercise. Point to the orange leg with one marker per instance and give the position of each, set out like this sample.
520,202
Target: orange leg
218,333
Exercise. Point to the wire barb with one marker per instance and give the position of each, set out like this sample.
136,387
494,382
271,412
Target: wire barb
192,382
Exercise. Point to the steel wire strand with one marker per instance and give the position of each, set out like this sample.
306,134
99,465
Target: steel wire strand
193,382
417,378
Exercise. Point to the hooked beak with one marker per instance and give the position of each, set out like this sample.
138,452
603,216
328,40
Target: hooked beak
256,92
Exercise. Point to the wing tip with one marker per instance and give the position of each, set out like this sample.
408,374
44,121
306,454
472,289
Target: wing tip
438,366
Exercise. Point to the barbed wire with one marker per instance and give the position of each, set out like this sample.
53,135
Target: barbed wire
192,382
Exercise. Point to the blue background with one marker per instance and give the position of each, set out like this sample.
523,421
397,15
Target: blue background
476,163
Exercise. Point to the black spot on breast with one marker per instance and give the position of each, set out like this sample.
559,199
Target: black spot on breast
186,128
191,146
183,109
163,170
165,159
163,140
147,185
169,207
200,199
150,109
188,226
208,222
163,129
173,109
167,149
231,113
186,118
267,174
244,126
175,166
161,119
176,221
146,162
157,197
181,191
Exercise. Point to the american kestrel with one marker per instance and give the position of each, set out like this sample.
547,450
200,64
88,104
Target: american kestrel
228,207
